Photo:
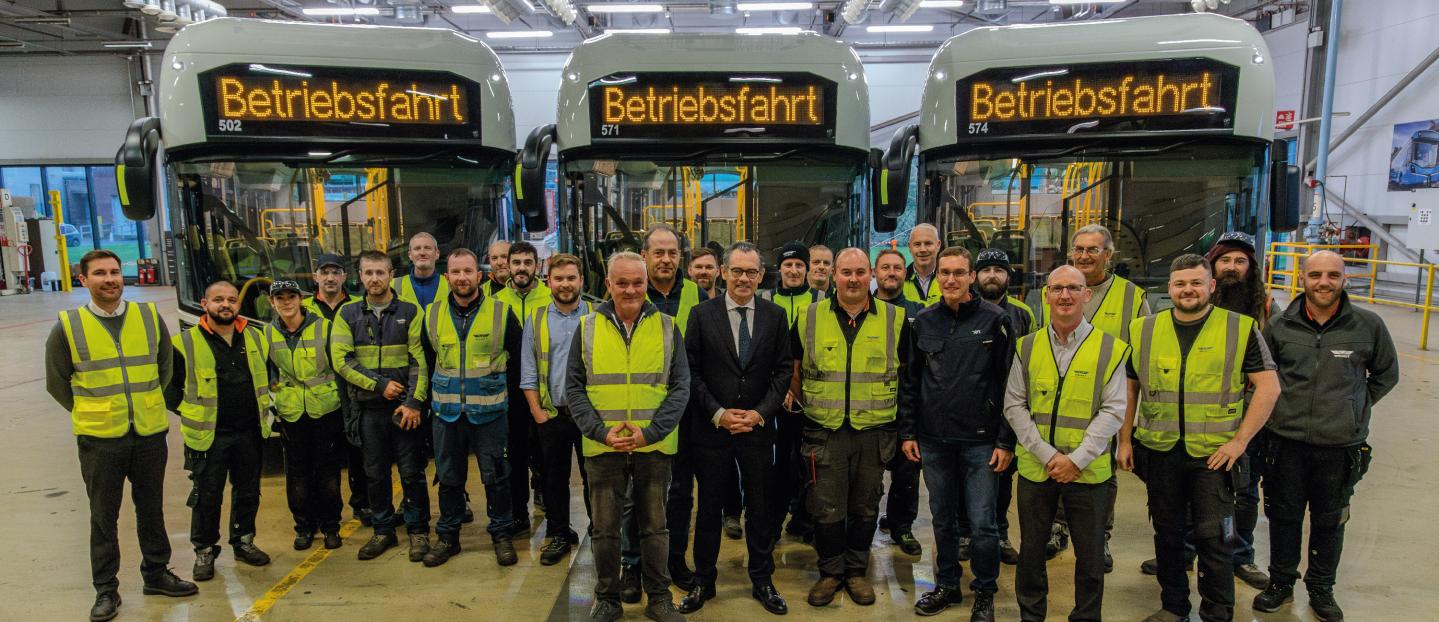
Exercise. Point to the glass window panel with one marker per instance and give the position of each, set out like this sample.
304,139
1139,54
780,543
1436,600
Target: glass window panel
119,234
25,181
80,233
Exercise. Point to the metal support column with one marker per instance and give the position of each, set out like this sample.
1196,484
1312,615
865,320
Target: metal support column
1326,117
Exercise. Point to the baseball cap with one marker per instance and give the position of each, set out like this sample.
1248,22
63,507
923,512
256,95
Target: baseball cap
330,259
281,286
991,257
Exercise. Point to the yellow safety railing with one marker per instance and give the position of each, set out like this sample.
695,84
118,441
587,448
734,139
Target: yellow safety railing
1297,251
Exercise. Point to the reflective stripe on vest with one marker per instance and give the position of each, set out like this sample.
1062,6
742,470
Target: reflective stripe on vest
1121,304
911,290
1209,381
200,406
689,297
540,322
1063,406
404,287
858,381
628,381
469,376
793,305
116,383
307,381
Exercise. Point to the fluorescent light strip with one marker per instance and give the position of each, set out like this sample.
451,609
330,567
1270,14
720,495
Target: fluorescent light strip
256,67
773,30
341,12
466,9
624,8
941,4
519,34
901,28
638,31
775,6
138,45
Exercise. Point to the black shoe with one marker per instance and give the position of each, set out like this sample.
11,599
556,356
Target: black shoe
446,546
906,541
1058,542
663,610
205,563
167,584
983,610
378,544
965,551
303,541
365,516
539,502
695,600
332,540
770,599
629,584
934,603
732,528
1273,597
469,514
505,554
246,552
1251,575
1007,553
683,577
1151,567
419,546
883,523
106,607
606,611
555,550
1108,559
1322,603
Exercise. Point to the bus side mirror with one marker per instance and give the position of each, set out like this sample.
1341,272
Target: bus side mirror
135,168
1284,197
530,178
890,183
882,223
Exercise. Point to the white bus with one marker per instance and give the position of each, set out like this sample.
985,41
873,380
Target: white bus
726,137
1157,127
281,141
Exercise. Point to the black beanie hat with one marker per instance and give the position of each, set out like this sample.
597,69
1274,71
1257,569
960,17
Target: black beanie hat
794,250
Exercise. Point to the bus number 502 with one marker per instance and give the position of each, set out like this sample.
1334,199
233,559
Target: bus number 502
229,125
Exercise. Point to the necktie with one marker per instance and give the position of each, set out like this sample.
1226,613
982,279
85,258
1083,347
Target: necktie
744,336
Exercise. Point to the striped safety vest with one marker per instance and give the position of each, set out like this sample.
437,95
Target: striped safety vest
1063,405
404,287
1209,381
306,383
116,384
541,327
858,380
469,376
628,381
200,406
689,297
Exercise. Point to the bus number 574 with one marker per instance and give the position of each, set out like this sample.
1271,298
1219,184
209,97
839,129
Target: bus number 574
979,128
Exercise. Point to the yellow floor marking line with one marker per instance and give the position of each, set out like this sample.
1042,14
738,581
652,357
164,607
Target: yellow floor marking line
262,606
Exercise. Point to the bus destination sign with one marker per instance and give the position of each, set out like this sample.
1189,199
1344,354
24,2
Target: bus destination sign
274,101
1147,96
711,105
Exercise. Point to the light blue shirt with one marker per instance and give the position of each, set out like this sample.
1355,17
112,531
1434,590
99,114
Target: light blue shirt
561,332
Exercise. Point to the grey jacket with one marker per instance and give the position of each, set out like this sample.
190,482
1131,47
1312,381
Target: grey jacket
1331,377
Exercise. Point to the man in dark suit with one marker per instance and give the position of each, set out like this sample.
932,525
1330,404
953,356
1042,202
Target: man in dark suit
741,369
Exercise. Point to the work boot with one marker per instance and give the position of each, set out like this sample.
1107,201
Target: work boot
419,546
205,563
859,589
1322,603
965,548
246,552
446,546
908,544
378,544
1251,575
629,584
823,591
106,607
983,610
1007,553
1164,615
934,603
1058,541
167,584
1151,567
1273,597
303,541
1108,559
505,552
332,540
606,611
555,551
365,516
663,610
732,528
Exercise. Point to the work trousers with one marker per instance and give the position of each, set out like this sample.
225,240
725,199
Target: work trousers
520,431
647,474
233,456
1183,490
715,469
1297,476
455,442
680,500
105,464
312,471
902,506
847,481
559,440
385,444
1087,505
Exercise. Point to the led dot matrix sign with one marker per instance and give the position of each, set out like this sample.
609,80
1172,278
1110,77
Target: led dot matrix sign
712,105
1186,94
273,101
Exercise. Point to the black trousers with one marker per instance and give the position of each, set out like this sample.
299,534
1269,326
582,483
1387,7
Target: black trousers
647,476
233,456
902,507
848,480
560,439
352,458
454,443
1087,506
714,467
1322,479
791,475
521,429
385,444
1182,489
312,471
105,464
680,500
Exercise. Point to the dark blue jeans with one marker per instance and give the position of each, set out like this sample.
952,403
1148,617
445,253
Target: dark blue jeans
386,444
960,475
454,442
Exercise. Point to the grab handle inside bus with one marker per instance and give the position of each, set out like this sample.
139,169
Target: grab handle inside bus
1283,196
530,178
135,168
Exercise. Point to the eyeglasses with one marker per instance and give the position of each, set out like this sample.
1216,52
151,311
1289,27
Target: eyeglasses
1072,290
752,273
1093,251
954,273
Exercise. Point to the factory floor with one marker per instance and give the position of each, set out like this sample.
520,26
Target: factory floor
1386,573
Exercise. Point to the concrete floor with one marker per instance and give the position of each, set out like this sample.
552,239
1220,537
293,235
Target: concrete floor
1386,572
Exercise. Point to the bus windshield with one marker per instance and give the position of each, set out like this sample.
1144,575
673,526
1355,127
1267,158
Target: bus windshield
715,202
1159,204
250,222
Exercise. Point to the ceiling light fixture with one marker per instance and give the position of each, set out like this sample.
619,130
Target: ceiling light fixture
624,8
941,4
638,31
467,9
127,45
340,12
